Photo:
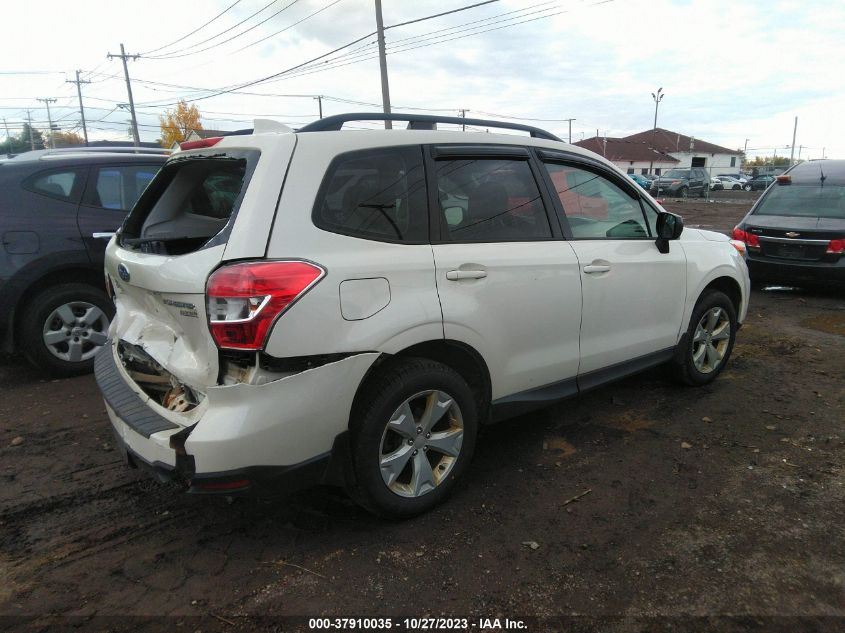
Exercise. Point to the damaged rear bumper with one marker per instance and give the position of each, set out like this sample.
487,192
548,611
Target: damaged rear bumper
276,437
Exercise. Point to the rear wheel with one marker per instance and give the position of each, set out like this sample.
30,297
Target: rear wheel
704,352
747,187
412,437
683,192
63,327
736,187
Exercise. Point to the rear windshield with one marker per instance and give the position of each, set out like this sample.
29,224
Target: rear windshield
190,204
815,201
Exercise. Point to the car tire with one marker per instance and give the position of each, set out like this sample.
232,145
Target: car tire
703,192
404,486
747,187
736,187
62,328
683,192
697,360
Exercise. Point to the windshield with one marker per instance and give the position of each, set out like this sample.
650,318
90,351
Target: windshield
815,201
677,173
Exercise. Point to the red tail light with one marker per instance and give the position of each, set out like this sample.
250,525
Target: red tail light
743,236
836,246
245,299
206,142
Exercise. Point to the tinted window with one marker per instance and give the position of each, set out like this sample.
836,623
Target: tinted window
119,187
595,207
56,184
490,200
376,194
813,201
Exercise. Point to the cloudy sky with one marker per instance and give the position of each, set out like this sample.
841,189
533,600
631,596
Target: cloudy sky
730,71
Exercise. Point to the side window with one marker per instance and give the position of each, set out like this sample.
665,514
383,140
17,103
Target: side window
490,200
59,184
595,207
376,194
118,187
650,217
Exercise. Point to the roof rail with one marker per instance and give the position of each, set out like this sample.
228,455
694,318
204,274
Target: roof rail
418,121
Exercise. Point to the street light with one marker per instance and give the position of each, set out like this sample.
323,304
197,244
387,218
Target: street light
658,97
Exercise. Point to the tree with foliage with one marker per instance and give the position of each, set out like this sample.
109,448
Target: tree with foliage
19,144
177,124
65,139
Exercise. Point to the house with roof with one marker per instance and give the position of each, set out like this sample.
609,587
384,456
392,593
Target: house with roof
666,148
634,157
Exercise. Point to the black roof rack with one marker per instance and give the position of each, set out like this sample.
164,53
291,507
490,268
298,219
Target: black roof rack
419,122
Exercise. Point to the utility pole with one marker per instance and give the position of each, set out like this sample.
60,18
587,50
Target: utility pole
8,139
382,61
658,97
319,99
463,116
31,137
570,128
792,151
79,83
123,56
48,101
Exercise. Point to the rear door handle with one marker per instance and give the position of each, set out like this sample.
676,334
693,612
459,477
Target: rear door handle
596,268
455,275
102,236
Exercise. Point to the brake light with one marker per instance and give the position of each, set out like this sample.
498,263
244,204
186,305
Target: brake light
205,142
744,236
244,300
784,179
836,246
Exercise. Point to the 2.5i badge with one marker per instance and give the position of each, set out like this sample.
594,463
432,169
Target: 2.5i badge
185,308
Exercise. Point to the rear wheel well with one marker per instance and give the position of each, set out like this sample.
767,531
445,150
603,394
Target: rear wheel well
79,274
730,287
460,357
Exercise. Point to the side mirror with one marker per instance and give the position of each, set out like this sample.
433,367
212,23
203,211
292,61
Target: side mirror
669,227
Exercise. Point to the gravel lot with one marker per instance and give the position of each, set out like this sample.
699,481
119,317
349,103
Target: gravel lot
722,501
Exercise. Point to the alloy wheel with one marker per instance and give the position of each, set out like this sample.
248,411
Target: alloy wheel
75,331
711,339
421,443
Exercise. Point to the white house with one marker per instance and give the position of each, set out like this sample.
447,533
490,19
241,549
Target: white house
690,151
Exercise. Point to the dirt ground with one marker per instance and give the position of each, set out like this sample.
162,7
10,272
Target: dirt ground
726,500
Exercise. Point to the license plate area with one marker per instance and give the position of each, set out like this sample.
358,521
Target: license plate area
790,251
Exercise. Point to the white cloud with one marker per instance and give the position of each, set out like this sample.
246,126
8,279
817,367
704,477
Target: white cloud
730,72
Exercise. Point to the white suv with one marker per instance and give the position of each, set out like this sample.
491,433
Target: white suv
350,306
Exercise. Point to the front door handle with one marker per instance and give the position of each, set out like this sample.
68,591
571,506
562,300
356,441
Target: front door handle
455,275
596,268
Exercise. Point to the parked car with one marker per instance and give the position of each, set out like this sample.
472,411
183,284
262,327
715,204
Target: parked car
642,181
795,232
319,306
728,182
742,178
758,183
682,183
58,210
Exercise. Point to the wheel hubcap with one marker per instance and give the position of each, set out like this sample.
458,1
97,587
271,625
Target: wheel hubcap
710,341
421,443
74,331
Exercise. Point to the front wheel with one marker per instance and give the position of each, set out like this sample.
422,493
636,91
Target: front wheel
412,436
683,192
703,353
736,187
63,327
747,187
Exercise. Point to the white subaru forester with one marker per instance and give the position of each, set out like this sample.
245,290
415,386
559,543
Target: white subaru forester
350,306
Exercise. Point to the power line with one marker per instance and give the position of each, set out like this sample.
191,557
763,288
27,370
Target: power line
215,36
199,28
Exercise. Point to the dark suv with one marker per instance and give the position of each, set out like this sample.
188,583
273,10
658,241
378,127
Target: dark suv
682,183
58,210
